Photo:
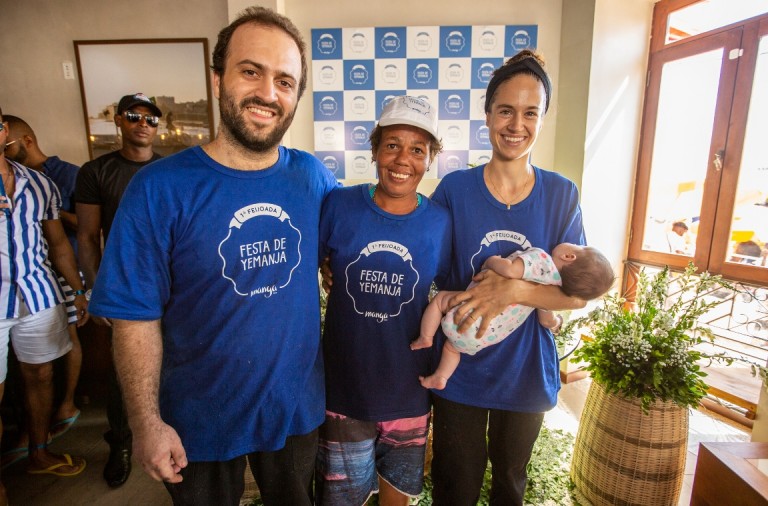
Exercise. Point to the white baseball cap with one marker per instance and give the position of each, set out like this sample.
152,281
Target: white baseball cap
407,110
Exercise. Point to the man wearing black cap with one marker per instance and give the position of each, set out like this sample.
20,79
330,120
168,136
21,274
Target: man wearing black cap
100,186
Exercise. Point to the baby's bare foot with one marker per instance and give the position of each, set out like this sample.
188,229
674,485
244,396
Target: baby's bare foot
433,381
421,342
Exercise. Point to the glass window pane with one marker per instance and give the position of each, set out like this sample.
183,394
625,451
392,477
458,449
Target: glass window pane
710,14
681,146
749,226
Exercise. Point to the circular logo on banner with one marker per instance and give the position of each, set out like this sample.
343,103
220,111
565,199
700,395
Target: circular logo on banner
481,104
483,159
327,74
454,73
360,165
390,74
455,41
359,135
359,105
328,106
358,75
329,135
358,43
326,44
390,43
422,74
452,163
454,104
521,40
482,135
422,42
488,40
485,72
453,134
331,163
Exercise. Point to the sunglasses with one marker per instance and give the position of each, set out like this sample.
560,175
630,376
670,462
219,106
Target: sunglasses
135,117
10,144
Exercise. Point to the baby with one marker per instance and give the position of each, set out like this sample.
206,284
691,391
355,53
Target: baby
581,271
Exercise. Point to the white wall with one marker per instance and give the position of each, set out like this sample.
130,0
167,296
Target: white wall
36,37
604,50
616,89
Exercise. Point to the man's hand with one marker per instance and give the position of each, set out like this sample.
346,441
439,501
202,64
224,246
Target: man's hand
81,305
158,448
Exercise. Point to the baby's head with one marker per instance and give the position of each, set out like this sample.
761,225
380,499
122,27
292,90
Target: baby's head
585,272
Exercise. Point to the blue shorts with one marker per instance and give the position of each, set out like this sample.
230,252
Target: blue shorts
354,454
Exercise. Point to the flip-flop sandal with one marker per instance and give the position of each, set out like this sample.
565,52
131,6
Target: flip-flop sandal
62,426
54,469
14,455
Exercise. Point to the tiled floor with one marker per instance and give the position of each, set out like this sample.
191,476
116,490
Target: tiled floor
89,488
702,427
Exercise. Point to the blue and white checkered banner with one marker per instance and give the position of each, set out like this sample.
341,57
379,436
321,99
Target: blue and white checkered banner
355,71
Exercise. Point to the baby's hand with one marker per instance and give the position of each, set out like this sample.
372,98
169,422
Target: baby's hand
490,260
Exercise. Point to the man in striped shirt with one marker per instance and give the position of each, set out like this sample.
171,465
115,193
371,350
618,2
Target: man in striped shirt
32,239
22,147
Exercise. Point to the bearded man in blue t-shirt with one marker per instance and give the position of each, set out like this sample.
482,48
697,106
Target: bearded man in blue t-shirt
210,277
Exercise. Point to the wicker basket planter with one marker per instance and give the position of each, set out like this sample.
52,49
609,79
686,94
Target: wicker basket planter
624,457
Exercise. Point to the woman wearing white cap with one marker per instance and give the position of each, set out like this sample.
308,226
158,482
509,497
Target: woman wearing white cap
386,244
495,402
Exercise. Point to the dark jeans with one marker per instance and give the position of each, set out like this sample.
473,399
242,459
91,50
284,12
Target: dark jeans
119,434
460,452
284,477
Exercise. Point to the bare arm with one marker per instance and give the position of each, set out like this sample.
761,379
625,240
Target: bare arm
493,293
89,240
138,354
69,220
63,259
509,268
89,245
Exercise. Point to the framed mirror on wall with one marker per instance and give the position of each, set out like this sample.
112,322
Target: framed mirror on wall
172,72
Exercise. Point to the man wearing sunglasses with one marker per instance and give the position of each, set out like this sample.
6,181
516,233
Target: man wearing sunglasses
99,189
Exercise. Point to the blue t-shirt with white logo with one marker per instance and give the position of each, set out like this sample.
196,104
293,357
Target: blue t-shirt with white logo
383,266
227,260
520,373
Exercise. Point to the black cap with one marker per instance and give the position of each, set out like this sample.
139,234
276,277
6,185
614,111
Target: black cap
129,101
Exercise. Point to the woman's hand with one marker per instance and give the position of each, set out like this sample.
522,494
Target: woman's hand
487,299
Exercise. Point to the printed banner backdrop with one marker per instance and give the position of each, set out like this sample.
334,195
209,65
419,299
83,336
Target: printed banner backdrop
356,71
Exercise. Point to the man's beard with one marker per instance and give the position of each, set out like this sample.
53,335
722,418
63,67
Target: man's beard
235,124
21,155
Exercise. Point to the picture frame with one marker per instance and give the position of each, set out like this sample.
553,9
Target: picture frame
174,73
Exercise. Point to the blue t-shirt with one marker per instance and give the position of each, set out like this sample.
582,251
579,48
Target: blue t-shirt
227,259
521,373
64,174
383,265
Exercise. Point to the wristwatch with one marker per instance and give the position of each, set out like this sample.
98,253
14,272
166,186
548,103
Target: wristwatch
88,294
79,292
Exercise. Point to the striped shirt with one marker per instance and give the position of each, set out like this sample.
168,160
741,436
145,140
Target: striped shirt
25,271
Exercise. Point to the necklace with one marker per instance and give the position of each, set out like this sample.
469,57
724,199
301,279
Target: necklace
514,198
372,192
